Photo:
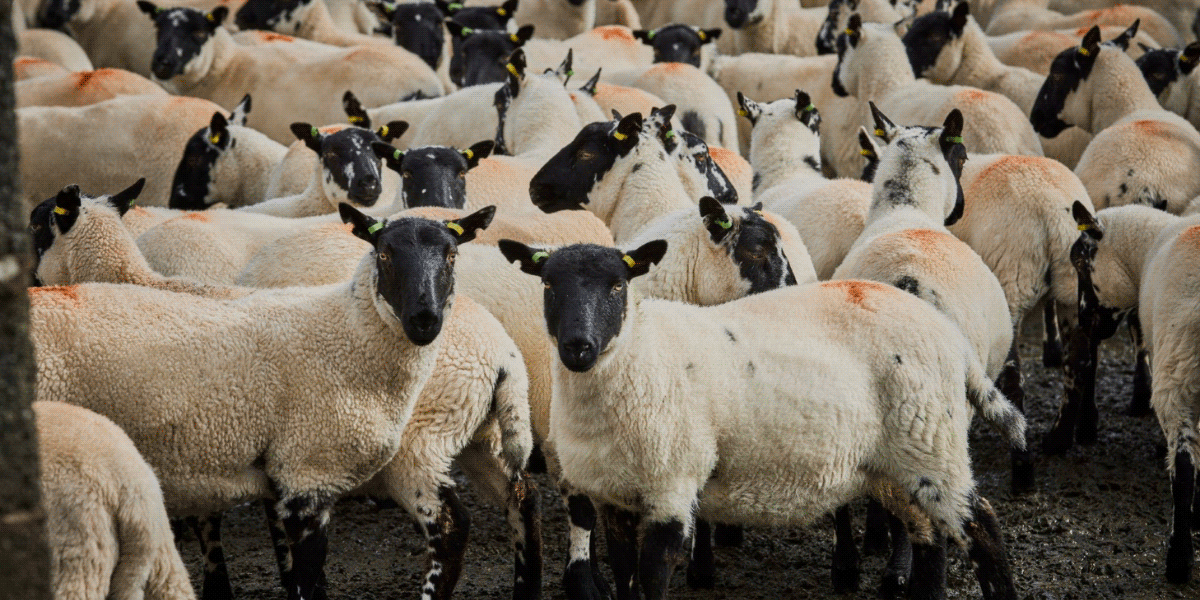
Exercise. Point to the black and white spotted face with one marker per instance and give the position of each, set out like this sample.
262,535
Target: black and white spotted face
350,168
934,43
193,185
482,54
845,78
919,163
414,263
677,43
54,218
566,180
835,21
1058,104
433,175
742,13
693,153
183,36
586,293
752,243
283,16
55,14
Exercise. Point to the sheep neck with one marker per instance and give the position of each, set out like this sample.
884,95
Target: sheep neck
1135,238
888,70
257,156
120,262
227,58
541,118
1117,89
782,153
317,25
768,34
980,68
632,197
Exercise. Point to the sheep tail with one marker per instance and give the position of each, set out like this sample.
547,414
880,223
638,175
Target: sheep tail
510,406
993,406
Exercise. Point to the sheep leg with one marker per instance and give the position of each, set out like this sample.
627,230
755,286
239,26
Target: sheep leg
279,541
622,529
304,520
216,576
1139,405
986,551
446,529
1009,382
701,570
1183,490
875,536
899,567
929,569
1052,350
662,550
1061,436
581,579
728,536
525,518
845,555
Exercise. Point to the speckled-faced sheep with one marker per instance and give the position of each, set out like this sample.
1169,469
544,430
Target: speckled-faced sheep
83,88
1141,154
873,65
730,467
1138,256
106,525
247,435
870,11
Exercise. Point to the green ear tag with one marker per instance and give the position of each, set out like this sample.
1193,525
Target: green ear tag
397,154
810,108
454,6
539,256
314,132
570,74
670,134
954,140
725,224
376,227
650,34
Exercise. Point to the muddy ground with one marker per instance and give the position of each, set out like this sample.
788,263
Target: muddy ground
1096,527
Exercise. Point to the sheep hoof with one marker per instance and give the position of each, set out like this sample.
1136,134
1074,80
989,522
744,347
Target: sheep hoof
728,536
1022,472
1179,560
1052,354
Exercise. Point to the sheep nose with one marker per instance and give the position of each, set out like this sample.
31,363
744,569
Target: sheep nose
578,354
423,327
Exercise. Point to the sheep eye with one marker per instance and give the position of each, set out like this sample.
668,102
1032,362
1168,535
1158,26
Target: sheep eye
585,155
617,287
450,258
385,257
408,175
200,36
546,285
462,174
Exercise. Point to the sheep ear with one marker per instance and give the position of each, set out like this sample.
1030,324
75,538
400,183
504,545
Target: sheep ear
884,128
806,111
1091,42
716,220
516,72
646,36
589,87
564,71
524,34
531,259
446,7
307,134
123,200
365,227
385,10
1188,58
748,108
148,7
951,131
241,112
215,17
218,131
355,113
391,156
508,9
663,116
66,207
466,228
1122,41
616,114
393,130
958,19
627,130
708,36
478,152
854,30
640,259
1086,221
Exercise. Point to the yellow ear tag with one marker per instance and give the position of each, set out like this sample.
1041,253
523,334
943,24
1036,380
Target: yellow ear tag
879,132
700,34
742,112
383,131
455,227
866,152
58,210
216,139
1084,51
629,261
515,39
1184,58
513,70
502,12
849,31
468,153
1085,226
620,136
210,17
355,119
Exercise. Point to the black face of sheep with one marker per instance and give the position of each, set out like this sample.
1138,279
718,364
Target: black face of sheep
753,244
740,13
416,27
194,175
586,292
846,41
483,55
931,33
414,260
1068,70
1163,67
433,175
267,14
565,181
347,159
718,183
182,33
677,43
57,13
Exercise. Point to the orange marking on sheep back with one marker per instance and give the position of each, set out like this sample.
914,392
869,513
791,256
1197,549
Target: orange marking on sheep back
1150,127
730,162
199,217
141,212
275,37
328,129
928,239
1191,236
1025,166
856,290
55,294
83,79
613,32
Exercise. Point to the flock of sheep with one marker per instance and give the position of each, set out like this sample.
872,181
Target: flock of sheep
720,264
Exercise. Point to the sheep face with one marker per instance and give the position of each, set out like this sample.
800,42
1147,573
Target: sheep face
587,293
677,43
845,74
284,16
349,167
934,44
482,55
698,166
416,27
56,218
835,22
192,188
1060,102
183,35
1166,72
414,265
754,248
433,175
743,13
566,180
56,14
921,158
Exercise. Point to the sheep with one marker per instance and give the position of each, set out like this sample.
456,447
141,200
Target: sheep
702,108
1139,257
1020,15
612,47
433,175
774,26
1168,72
870,11
872,65
1182,15
455,119
107,529
392,310
195,56
54,46
950,48
723,469
1140,152
1035,50
142,134
307,19
83,88
681,43
352,15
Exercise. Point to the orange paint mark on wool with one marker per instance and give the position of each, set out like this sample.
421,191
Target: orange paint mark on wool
276,37
83,79
198,217
856,290
1191,236
730,162
1150,127
1020,165
928,239
613,32
55,294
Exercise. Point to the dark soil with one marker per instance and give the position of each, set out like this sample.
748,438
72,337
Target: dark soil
1096,527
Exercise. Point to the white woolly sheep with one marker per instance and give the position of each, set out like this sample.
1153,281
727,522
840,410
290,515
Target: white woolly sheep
106,525
702,107
83,88
1021,15
54,46
1182,15
1035,50
731,467
774,26
1140,153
